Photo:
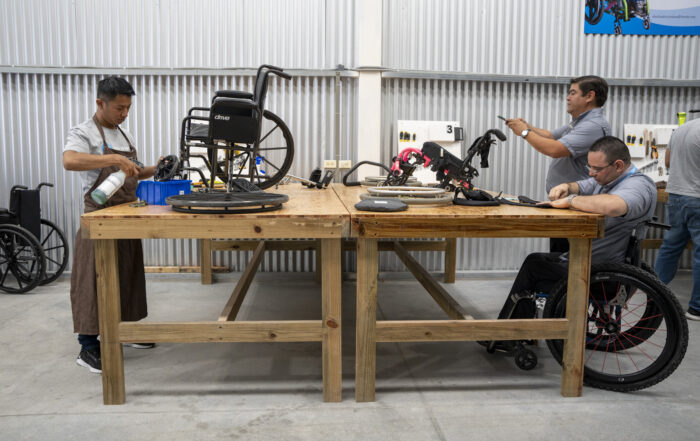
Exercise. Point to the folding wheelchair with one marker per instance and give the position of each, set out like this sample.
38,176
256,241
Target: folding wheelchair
33,251
257,145
637,333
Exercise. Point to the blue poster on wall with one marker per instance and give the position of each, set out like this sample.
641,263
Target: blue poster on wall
642,17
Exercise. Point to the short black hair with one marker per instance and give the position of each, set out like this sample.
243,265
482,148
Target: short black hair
613,148
108,88
596,84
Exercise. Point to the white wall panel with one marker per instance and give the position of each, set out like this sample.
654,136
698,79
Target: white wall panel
300,34
525,37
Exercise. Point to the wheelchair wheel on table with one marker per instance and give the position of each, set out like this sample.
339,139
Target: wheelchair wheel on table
636,335
22,261
264,164
55,247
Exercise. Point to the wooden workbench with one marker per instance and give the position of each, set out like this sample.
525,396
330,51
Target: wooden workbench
309,214
459,221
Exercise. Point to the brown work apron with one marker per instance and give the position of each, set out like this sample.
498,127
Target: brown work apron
132,279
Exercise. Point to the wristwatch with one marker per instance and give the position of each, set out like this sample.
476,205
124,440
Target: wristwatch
571,198
524,133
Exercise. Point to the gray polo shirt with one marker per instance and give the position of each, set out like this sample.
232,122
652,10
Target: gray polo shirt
684,172
639,193
577,137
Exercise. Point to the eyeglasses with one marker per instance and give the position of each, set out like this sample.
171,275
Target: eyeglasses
596,170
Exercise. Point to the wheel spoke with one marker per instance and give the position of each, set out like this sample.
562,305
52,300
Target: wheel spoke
268,133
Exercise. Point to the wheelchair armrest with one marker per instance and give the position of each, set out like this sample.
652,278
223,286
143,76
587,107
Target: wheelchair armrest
233,94
200,109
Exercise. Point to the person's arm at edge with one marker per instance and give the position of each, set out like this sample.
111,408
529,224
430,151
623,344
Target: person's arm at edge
77,161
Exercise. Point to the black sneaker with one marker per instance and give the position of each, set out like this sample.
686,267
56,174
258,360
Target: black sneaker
90,359
692,314
141,345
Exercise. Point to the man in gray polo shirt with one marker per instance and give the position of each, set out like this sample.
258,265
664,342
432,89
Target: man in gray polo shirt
616,189
683,209
569,144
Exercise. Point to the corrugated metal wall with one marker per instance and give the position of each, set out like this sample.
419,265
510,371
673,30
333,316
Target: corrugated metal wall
532,38
202,34
178,52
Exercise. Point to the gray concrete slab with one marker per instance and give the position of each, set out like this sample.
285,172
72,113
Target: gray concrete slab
425,391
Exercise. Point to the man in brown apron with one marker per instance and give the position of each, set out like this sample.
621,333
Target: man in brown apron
97,148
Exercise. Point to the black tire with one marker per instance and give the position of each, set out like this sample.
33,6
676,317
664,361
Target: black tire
56,251
613,319
647,23
594,11
618,29
525,359
22,261
276,147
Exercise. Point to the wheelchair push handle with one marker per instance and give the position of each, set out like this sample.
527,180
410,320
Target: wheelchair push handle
275,70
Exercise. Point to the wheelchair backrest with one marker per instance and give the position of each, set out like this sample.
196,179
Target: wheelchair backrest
26,206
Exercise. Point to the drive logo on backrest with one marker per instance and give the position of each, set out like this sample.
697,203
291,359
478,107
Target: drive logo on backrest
222,117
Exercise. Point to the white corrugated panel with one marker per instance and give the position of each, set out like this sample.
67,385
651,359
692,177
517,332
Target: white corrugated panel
525,37
515,167
300,34
37,110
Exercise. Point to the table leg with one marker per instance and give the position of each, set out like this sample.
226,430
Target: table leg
205,261
366,323
450,259
576,313
109,312
331,287
319,260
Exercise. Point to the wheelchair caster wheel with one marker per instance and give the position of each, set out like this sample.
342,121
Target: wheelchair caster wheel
525,359
647,23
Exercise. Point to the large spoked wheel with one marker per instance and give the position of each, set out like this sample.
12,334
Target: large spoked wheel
55,247
264,164
637,334
22,261
594,11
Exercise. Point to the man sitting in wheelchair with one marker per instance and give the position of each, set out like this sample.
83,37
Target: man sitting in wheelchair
615,189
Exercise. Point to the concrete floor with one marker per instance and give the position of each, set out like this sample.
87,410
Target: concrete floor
427,391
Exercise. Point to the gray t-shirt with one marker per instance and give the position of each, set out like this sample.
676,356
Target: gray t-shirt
577,137
639,193
684,172
86,138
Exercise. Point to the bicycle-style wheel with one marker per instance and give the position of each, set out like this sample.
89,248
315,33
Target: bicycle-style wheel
22,262
594,11
636,335
55,247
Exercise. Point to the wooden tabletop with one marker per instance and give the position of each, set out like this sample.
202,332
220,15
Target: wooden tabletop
309,213
462,221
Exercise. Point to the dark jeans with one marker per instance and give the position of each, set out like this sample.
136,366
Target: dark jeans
88,342
538,273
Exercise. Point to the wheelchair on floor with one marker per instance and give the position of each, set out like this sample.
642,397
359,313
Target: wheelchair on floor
637,334
33,251
257,146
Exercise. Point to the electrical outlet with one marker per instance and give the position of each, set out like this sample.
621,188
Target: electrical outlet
344,163
329,163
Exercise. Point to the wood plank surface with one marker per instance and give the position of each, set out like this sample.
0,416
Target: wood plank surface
208,332
109,315
205,261
444,300
331,309
365,323
234,303
465,330
309,213
577,314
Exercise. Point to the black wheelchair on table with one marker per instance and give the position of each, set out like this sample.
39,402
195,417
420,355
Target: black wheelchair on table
33,251
258,147
637,333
